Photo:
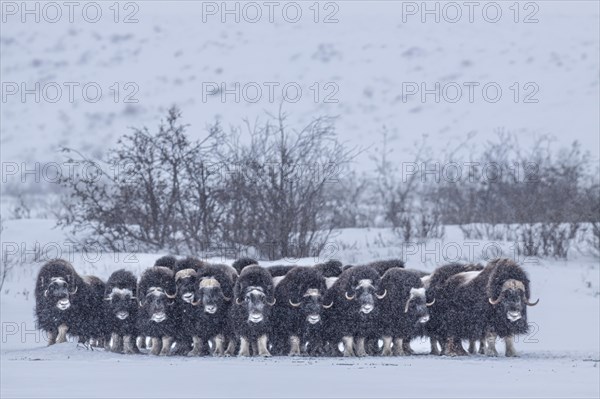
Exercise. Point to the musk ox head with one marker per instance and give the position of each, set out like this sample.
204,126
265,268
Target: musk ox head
156,292
119,295
167,261
508,290
241,263
416,305
254,292
213,289
363,288
57,283
185,282
156,304
303,289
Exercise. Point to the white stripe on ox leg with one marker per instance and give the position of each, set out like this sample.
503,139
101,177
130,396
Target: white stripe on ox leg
387,346
261,344
62,334
348,346
244,347
510,346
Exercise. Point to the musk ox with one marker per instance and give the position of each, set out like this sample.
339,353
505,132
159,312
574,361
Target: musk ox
156,317
184,310
434,285
383,266
298,312
120,311
68,303
404,310
484,304
213,295
241,263
354,316
331,268
250,314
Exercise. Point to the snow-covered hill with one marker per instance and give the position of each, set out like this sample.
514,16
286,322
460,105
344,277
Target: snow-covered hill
362,68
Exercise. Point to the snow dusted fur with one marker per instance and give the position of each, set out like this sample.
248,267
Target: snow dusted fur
298,312
279,270
241,263
213,296
383,266
466,311
354,315
188,263
120,311
331,268
435,327
58,284
166,261
156,316
403,310
250,314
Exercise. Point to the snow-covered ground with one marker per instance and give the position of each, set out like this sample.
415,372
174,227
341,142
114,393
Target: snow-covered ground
558,358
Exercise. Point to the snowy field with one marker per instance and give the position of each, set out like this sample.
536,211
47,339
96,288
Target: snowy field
558,358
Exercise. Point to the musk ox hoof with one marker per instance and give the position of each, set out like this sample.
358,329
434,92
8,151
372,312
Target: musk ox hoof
193,353
491,352
511,354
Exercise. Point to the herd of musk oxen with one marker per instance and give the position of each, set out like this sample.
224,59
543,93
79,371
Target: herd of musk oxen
189,307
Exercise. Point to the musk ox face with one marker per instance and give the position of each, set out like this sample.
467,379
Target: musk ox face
311,305
363,293
512,301
209,294
121,302
256,304
59,292
156,304
185,281
416,306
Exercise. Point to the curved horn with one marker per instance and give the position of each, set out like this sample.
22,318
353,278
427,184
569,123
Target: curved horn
238,302
171,296
328,306
73,292
496,301
382,295
532,303
272,303
196,303
226,298
294,304
430,303
349,297
46,293
107,298
407,303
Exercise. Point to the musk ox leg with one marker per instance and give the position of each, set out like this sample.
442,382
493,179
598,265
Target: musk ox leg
156,346
360,349
454,348
510,346
387,346
406,347
481,347
166,346
117,345
62,334
129,346
254,349
230,351
294,346
196,346
140,342
348,346
434,347
52,337
244,347
472,346
490,345
261,344
219,351
398,347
